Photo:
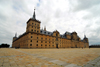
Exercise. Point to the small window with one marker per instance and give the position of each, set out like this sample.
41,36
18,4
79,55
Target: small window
32,23
30,44
37,31
45,41
31,36
45,45
49,45
52,45
46,38
41,44
41,38
57,39
56,34
37,41
41,31
41,41
32,30
37,37
36,44
31,40
35,24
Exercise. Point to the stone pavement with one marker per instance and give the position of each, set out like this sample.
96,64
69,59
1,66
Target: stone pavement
47,58
93,63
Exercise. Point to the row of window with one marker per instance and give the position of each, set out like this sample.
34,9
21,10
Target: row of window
36,27
35,24
42,41
41,45
35,31
46,42
46,38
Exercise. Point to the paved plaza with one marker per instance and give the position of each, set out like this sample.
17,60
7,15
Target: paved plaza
69,57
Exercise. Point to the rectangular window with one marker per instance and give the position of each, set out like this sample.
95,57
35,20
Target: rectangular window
30,44
34,30
45,45
37,41
31,36
41,41
36,44
41,44
31,41
37,37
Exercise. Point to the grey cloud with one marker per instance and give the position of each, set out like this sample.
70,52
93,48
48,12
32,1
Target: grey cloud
86,4
15,13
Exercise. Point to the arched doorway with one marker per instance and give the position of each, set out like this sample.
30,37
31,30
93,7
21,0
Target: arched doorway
56,45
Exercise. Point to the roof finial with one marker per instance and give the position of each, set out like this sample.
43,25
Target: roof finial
34,15
44,28
15,34
84,36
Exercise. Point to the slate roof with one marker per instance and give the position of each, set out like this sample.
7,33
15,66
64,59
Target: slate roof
51,33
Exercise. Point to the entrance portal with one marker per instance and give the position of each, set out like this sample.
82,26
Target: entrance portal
76,46
56,45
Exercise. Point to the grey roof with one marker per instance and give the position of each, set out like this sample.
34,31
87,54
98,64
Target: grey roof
46,32
50,33
67,33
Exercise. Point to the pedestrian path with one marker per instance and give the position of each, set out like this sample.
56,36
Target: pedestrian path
49,57
58,62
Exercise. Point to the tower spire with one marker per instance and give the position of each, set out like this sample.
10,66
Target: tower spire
34,15
44,28
84,36
15,34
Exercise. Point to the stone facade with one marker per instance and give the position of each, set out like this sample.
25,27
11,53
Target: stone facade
36,38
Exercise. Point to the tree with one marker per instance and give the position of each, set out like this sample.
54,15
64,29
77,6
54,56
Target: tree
4,45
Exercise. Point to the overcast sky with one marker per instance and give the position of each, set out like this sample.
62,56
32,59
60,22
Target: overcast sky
82,16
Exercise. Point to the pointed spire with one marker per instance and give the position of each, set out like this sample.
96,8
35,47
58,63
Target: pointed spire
45,28
34,15
15,34
84,36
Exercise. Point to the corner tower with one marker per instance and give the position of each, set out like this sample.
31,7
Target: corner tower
33,25
15,37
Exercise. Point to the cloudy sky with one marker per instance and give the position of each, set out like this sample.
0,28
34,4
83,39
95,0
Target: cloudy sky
82,16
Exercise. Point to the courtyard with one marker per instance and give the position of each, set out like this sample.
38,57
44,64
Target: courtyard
68,57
